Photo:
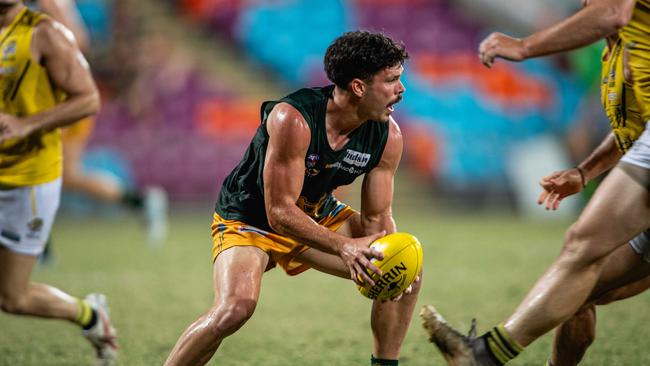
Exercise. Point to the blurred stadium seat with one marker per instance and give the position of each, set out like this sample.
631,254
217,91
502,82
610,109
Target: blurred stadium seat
466,118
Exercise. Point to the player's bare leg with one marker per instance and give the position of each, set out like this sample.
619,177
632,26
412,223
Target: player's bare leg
625,274
151,201
237,276
389,319
21,297
618,211
573,337
75,179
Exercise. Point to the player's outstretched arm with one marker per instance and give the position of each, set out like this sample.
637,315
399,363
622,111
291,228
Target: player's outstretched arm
597,20
54,47
564,183
284,172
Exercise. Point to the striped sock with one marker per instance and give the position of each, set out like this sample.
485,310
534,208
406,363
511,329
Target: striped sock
382,362
87,316
501,346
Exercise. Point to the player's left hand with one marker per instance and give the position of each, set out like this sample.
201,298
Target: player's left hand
558,185
11,128
498,45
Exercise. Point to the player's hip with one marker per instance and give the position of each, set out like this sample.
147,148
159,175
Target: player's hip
282,250
26,216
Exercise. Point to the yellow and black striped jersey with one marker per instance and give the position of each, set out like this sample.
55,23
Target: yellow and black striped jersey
27,90
618,98
636,39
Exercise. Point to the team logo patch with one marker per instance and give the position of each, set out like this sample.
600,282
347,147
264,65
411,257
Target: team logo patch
356,158
9,51
310,165
312,160
34,225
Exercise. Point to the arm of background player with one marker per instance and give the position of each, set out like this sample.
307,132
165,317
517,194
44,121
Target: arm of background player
54,47
597,20
602,159
65,12
284,171
68,70
377,189
564,183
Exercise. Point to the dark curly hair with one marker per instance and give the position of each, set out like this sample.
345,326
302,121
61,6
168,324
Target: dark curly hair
361,54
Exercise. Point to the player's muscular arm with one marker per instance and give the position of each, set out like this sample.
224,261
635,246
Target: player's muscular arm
284,171
377,190
597,20
54,48
602,159
564,183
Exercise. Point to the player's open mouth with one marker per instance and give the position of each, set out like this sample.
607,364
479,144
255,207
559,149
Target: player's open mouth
391,106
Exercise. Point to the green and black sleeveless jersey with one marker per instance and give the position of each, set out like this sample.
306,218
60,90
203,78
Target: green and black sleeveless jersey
242,195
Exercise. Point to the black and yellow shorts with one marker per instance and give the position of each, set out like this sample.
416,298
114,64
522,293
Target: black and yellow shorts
281,249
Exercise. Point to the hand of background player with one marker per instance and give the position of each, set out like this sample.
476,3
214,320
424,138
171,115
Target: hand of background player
498,45
357,253
559,185
11,128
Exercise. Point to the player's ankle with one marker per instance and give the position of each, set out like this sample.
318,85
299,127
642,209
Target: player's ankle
133,199
87,317
496,347
382,361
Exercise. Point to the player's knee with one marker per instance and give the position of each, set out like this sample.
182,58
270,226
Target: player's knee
11,304
231,315
578,249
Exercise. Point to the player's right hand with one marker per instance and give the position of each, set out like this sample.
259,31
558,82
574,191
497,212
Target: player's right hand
557,186
499,45
12,128
357,253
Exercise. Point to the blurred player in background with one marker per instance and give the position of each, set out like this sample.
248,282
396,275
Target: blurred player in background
151,201
46,84
277,206
596,257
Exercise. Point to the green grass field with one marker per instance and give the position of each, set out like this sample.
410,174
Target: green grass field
475,266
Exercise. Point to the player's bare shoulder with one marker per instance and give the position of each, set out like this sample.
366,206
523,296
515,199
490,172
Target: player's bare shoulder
286,121
394,145
286,114
50,36
394,131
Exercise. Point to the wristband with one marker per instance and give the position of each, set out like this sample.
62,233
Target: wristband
582,176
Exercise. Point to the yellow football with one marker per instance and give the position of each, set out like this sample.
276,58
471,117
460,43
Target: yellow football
401,265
